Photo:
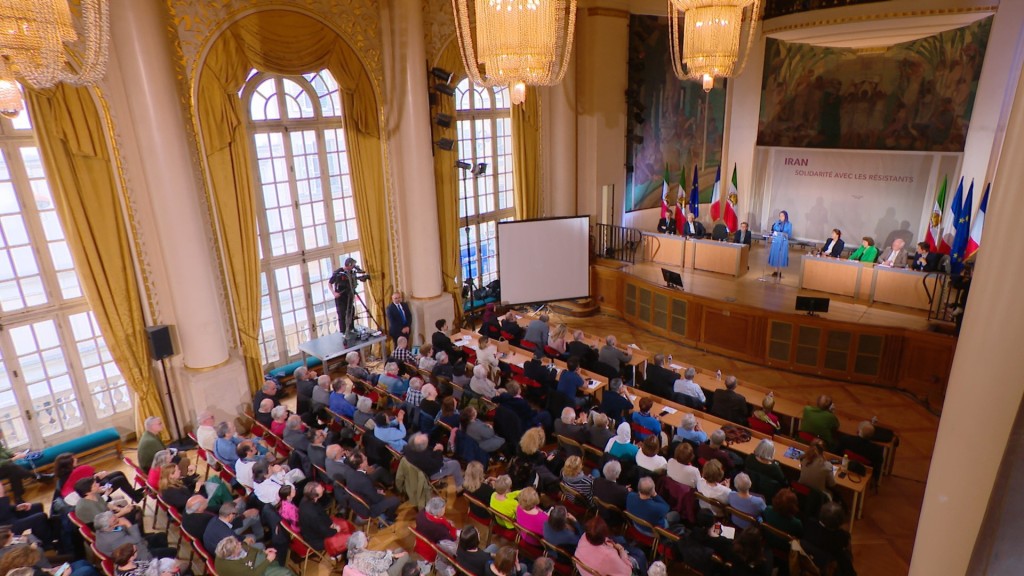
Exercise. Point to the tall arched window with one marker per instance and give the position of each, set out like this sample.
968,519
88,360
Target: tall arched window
485,135
57,378
306,216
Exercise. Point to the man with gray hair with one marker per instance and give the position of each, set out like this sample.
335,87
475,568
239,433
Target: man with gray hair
612,356
581,349
355,368
687,387
432,462
658,378
322,393
713,450
431,523
728,404
112,532
614,402
537,332
742,500
572,426
295,434
607,488
402,354
196,517
268,390
305,382
645,504
689,431
150,442
206,434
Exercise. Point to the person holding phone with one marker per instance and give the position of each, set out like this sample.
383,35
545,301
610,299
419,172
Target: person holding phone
15,474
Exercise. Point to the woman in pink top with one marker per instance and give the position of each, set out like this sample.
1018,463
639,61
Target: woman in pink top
529,515
599,552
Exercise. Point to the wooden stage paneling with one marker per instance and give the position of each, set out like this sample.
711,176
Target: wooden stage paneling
756,322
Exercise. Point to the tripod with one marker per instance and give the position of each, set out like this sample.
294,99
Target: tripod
476,171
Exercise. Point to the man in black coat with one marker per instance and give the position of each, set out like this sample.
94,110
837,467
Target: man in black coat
305,381
360,484
659,380
580,349
534,369
729,404
399,318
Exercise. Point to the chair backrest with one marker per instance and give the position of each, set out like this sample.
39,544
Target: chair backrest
475,505
585,570
106,562
86,530
360,506
568,445
310,552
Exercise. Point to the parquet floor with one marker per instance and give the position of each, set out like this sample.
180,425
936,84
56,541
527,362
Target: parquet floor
883,539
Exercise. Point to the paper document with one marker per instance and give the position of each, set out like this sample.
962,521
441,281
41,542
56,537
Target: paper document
669,410
633,346
676,366
593,384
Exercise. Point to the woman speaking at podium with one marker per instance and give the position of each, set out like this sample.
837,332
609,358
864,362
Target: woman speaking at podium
778,255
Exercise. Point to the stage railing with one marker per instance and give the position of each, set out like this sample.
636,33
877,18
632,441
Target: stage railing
617,242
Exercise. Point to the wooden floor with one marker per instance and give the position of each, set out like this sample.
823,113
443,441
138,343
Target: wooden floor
778,295
883,539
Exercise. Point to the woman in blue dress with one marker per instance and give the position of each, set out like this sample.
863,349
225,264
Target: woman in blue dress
778,255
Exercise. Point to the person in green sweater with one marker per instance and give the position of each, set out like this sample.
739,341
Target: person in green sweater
821,422
150,442
237,559
866,252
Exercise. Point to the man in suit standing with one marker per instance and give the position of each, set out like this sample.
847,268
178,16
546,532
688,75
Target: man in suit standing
894,256
399,318
742,236
693,227
925,260
729,404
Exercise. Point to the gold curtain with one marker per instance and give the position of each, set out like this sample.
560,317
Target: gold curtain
74,150
446,183
526,155
288,43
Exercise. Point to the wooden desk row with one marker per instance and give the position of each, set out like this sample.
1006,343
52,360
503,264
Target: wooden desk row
696,254
868,282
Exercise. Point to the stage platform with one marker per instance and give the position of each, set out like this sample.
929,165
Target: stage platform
780,296
754,321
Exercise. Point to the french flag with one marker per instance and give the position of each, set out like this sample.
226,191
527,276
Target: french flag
974,242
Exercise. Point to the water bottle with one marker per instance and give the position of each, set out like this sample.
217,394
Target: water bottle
718,374
874,420
846,462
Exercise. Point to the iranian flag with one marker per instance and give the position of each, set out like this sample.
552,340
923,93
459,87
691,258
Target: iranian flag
933,236
949,228
664,194
716,196
974,242
731,201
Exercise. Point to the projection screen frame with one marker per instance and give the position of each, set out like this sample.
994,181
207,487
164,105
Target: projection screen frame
497,236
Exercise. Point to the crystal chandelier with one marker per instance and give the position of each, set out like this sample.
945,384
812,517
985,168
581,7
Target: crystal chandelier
712,37
516,42
34,40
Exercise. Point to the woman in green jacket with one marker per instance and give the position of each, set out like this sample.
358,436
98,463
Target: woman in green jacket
866,252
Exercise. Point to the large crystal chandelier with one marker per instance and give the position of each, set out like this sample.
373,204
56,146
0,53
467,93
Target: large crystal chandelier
516,42
34,39
712,37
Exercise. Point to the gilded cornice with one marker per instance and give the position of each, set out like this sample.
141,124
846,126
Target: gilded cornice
438,27
197,22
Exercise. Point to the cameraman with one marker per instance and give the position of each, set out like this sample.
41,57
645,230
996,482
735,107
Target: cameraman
343,286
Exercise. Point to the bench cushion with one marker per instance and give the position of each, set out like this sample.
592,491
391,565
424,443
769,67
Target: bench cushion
287,370
75,446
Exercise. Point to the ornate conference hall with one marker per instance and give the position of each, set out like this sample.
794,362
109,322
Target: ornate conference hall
508,287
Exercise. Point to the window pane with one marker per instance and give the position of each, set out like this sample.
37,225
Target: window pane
268,333
263,105
46,376
291,296
108,389
11,421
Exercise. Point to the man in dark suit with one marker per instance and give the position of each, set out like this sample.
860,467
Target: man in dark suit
197,518
862,445
730,404
742,236
399,317
581,350
442,343
614,403
607,489
360,484
546,376
659,380
925,260
833,247
305,382
221,527
693,227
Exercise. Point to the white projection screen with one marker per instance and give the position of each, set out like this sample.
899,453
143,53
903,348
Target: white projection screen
544,260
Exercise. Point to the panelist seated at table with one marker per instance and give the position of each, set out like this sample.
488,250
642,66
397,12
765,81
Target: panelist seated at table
925,260
866,252
895,256
742,236
833,247
693,228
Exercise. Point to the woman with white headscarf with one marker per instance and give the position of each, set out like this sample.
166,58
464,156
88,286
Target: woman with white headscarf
621,446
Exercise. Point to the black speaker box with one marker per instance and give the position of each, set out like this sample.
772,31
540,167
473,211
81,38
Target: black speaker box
160,345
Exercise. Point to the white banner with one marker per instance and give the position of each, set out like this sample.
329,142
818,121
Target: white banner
877,194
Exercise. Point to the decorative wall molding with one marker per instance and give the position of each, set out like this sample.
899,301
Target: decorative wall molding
438,27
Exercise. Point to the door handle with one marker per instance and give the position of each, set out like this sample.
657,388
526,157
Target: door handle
28,415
